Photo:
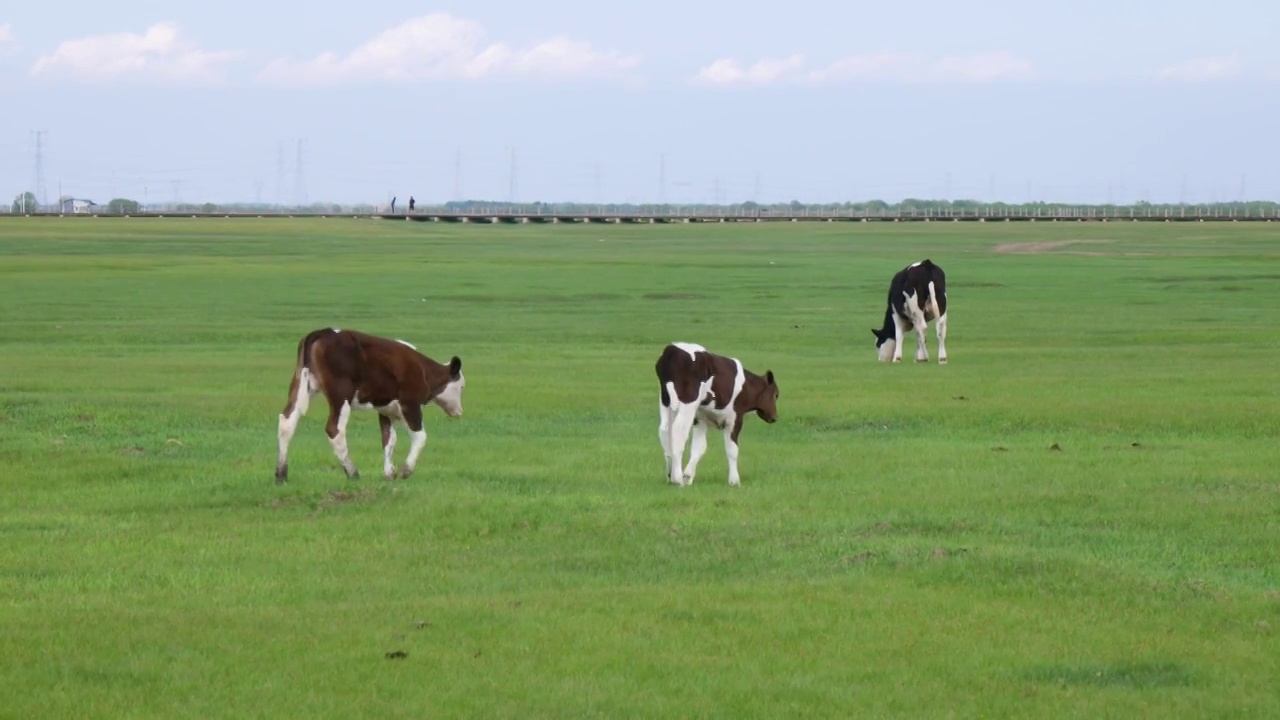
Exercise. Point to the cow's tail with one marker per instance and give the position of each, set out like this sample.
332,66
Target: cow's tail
304,382
933,298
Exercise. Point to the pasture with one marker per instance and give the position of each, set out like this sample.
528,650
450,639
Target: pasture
1076,517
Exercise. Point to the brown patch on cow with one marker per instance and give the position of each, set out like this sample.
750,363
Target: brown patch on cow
1042,246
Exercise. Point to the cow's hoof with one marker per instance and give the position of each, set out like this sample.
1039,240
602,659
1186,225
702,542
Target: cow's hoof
942,361
405,473
688,480
922,359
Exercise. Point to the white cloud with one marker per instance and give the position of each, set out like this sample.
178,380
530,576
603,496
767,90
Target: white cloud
160,53
872,67
1203,69
7,42
440,46
727,71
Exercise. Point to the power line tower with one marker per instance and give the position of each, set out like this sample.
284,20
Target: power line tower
511,190
39,186
662,178
457,174
279,172
299,189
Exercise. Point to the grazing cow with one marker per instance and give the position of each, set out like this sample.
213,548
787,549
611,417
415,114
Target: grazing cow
699,388
917,294
359,371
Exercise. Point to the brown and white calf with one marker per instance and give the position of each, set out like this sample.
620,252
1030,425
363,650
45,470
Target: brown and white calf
917,294
358,371
699,388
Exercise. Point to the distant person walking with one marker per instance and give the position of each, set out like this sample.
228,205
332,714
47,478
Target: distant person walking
412,203
393,205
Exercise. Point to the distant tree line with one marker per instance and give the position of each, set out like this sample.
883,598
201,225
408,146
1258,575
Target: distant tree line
26,203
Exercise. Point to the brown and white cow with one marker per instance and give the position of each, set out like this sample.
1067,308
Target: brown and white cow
699,388
358,371
917,294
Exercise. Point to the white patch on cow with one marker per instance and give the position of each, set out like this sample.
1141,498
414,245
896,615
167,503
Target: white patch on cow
450,398
339,440
417,441
914,264
337,330
676,424
691,348
288,425
388,466
941,328
916,316
885,351
406,344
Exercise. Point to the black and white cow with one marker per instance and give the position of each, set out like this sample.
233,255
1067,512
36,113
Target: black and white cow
698,388
917,294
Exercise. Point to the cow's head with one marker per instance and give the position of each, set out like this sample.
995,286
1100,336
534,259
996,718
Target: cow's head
767,401
450,398
885,343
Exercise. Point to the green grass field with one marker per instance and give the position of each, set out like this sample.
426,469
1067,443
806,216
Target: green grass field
1077,517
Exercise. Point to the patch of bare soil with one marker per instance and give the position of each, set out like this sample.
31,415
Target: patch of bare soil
1042,246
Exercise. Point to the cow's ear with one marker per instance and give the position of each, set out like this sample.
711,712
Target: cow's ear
768,377
455,367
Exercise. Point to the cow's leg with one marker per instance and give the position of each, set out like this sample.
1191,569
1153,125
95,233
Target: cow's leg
698,449
412,413
300,392
941,328
665,415
388,446
731,431
922,350
339,413
898,336
681,424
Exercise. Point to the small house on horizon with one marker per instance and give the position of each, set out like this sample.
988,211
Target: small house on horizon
76,205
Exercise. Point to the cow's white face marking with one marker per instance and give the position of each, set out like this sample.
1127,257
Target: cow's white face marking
915,264
337,330
450,399
885,351
691,348
405,344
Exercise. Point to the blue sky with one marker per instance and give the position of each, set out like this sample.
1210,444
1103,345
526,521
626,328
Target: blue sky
682,101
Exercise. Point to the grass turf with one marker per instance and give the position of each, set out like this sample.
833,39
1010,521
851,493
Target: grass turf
1076,518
